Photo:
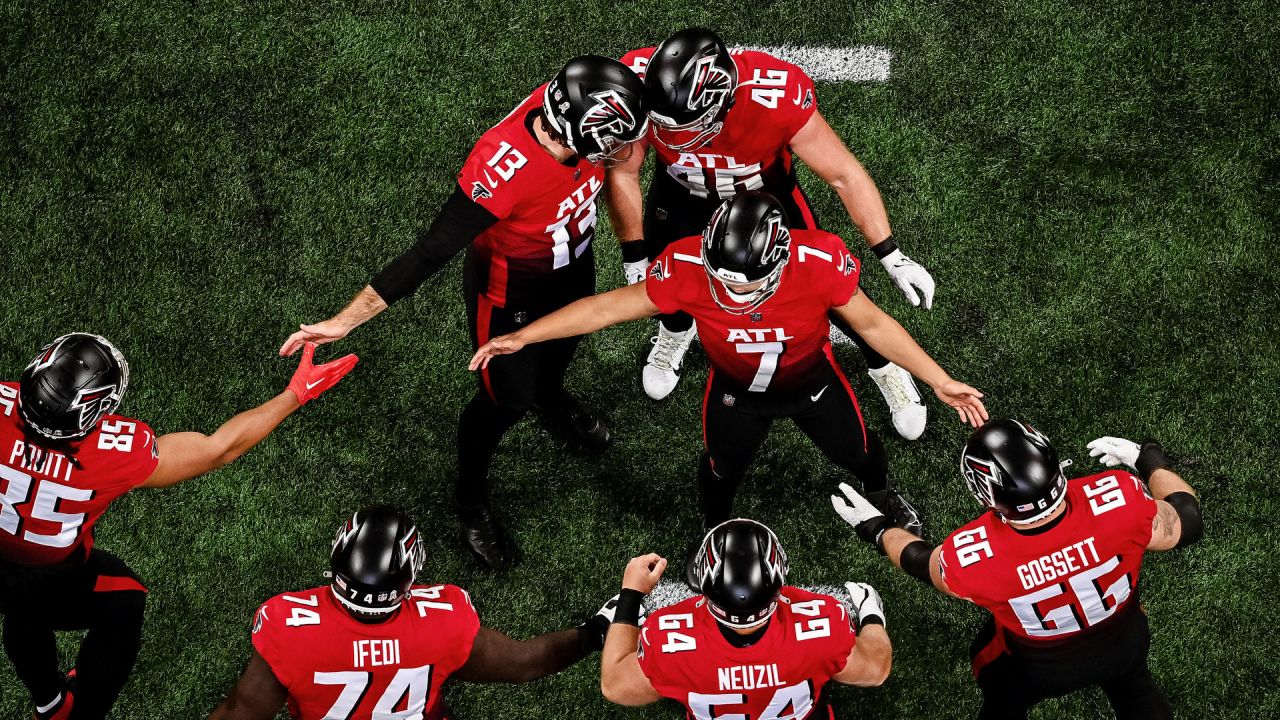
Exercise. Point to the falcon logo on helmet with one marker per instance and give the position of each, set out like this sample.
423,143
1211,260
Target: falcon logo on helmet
95,403
610,114
741,569
711,84
1012,469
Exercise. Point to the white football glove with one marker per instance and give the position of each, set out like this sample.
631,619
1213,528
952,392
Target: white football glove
866,602
1114,451
908,275
857,509
635,271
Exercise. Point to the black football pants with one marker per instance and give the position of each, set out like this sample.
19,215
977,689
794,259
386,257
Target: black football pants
514,384
1012,681
735,423
101,595
671,214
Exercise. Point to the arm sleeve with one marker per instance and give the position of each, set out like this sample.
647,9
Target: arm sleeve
263,639
1144,508
801,101
845,283
457,224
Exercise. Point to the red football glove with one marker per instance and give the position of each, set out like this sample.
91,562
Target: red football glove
309,381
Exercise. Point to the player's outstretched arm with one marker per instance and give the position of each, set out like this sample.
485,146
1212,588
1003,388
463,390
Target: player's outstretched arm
496,658
823,151
258,695
457,224
1178,521
884,334
906,551
621,679
578,318
187,455
626,211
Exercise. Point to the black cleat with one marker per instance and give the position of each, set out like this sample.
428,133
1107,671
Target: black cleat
485,537
898,510
578,424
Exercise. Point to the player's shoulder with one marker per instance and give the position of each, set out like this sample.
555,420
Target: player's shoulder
9,401
289,610
680,259
798,601
821,251
499,162
638,60
443,597
123,439
1111,490
688,606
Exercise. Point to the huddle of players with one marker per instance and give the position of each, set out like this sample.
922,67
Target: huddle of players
1055,561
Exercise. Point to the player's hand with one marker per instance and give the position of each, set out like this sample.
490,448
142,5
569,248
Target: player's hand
965,399
867,603
856,509
501,345
909,276
319,334
310,380
1115,450
643,573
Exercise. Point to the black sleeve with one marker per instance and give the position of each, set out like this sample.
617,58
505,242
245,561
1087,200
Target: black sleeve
458,223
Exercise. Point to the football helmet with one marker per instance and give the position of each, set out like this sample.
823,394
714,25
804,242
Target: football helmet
741,568
596,105
1011,468
689,83
747,241
69,387
377,554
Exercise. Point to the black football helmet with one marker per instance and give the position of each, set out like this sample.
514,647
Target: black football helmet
747,241
741,568
597,106
689,83
69,387
377,554
1011,468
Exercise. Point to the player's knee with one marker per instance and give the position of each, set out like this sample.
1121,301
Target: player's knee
123,611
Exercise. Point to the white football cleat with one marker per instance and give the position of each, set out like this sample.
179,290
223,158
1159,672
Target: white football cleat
662,369
900,392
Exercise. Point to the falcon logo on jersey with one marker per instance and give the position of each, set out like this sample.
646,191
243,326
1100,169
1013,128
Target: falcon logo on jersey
479,191
710,84
609,115
259,619
659,271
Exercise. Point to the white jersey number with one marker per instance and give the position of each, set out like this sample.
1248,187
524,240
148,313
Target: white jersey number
410,687
797,698
1097,603
17,488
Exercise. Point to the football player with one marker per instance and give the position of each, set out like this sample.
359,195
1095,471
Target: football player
721,123
372,644
1056,563
64,458
761,294
525,209
749,646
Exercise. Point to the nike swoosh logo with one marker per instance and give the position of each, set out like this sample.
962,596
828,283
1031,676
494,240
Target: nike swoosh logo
815,397
313,384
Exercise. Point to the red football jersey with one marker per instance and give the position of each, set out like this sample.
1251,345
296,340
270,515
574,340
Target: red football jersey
781,675
778,345
773,100
48,508
1059,583
335,666
546,210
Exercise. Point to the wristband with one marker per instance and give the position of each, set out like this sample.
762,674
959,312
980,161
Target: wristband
1151,458
633,251
628,610
873,531
884,248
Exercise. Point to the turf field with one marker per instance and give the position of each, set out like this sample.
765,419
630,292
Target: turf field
1094,188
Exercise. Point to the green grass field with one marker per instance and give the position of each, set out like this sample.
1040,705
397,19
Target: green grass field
1094,186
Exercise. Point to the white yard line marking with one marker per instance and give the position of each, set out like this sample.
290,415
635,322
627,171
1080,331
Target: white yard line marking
670,592
862,63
